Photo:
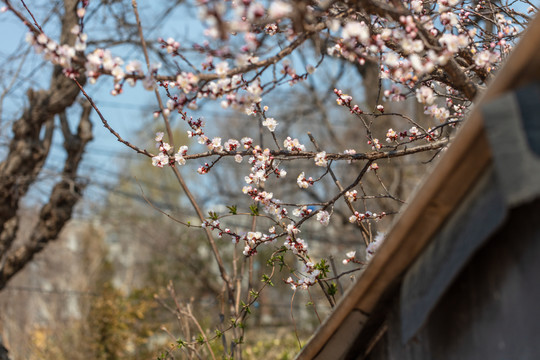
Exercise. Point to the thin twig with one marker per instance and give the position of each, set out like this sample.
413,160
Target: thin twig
147,58
294,155
189,314
343,274
108,127
294,322
8,88
32,15
163,212
334,270
209,236
314,307
365,232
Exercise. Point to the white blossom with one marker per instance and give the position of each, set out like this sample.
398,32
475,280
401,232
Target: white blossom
354,29
279,9
270,123
320,159
425,95
323,217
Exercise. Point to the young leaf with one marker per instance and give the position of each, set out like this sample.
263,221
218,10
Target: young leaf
332,290
254,210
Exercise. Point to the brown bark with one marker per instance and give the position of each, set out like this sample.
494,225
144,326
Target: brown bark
28,150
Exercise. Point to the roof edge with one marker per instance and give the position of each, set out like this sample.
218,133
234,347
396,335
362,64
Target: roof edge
433,201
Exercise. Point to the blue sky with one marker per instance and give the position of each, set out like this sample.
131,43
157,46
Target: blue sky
126,113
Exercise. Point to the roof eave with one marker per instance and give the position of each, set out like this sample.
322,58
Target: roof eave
458,169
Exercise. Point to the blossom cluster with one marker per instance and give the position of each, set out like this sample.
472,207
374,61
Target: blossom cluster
307,276
371,250
418,47
368,215
351,257
250,239
164,158
263,165
304,182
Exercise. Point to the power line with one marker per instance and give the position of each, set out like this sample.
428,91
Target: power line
47,291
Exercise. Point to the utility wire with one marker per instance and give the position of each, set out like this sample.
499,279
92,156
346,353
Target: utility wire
53,291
